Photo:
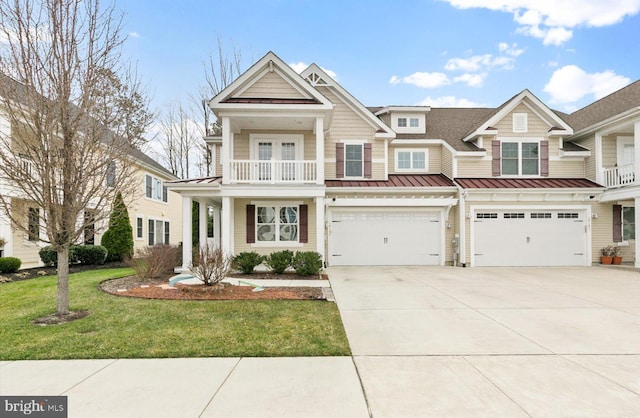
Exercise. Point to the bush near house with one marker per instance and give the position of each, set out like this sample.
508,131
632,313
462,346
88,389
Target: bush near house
211,265
307,263
153,261
82,254
246,261
9,264
118,239
279,261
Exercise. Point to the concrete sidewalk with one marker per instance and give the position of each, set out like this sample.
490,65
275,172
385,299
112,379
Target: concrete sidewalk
194,387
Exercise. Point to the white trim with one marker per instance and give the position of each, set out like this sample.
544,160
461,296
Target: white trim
136,237
425,151
277,202
520,141
360,142
393,202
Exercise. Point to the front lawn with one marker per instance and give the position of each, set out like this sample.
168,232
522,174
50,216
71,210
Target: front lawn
121,327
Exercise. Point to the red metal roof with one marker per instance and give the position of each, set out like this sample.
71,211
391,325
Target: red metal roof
204,180
537,183
397,180
267,100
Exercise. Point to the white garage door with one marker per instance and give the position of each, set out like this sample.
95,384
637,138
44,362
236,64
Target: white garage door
385,238
530,238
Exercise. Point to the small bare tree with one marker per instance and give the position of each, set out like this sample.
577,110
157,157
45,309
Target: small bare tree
178,139
72,116
211,265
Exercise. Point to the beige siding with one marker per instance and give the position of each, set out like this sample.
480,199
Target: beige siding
240,229
475,166
536,126
434,161
590,162
242,142
218,161
25,250
609,151
447,162
272,85
566,168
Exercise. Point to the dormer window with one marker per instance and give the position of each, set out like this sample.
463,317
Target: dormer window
402,122
414,123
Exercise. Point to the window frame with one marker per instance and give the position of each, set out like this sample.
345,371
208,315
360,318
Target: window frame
139,228
155,189
411,151
404,123
359,144
412,120
520,159
33,224
152,231
277,224
632,230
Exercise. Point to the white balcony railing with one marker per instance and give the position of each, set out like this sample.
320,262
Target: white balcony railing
619,176
260,171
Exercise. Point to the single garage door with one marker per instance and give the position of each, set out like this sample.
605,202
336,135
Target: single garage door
530,238
386,237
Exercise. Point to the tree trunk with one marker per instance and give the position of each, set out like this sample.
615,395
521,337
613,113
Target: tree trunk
62,305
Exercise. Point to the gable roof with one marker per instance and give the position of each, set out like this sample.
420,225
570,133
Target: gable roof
617,104
230,96
546,113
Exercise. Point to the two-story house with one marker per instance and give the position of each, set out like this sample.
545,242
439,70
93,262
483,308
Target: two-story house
301,164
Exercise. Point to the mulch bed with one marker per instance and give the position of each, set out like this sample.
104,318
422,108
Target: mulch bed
157,289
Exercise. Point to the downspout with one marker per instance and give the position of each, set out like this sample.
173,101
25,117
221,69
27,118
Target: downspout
462,240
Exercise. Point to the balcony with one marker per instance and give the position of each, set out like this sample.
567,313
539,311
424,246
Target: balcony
273,171
623,175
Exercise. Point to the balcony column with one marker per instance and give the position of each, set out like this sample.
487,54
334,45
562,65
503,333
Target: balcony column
226,227
226,150
598,155
187,251
636,149
319,128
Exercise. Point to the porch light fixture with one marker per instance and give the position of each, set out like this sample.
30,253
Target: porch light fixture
594,215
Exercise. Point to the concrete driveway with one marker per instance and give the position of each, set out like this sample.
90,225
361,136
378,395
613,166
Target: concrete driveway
541,342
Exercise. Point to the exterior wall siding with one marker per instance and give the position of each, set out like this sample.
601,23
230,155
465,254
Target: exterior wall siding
536,126
272,85
242,143
475,166
590,168
446,163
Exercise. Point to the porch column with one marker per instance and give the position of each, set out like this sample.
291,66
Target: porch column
226,150
202,227
216,226
319,128
636,148
637,228
320,235
226,226
187,251
598,155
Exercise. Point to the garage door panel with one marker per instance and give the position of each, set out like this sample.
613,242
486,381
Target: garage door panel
385,238
532,238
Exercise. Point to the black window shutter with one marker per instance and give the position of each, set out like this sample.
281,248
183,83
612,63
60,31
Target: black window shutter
149,187
339,160
617,223
251,224
304,224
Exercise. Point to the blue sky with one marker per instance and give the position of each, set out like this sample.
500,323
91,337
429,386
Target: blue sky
432,52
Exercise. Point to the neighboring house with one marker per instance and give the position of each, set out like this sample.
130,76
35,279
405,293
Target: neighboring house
155,213
303,165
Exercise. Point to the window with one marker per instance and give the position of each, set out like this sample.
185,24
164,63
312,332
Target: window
411,160
89,228
159,232
486,216
276,224
520,158
210,219
111,174
520,122
414,123
402,122
139,227
34,224
569,215
513,216
628,223
353,159
154,189
544,215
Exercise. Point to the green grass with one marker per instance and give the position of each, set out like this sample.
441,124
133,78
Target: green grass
121,327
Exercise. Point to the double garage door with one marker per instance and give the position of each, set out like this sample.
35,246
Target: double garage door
385,237
530,237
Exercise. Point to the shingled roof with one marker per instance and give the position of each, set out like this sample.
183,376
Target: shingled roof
609,106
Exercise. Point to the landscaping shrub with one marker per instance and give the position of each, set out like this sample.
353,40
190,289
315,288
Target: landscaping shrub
151,262
247,261
306,263
49,256
118,239
211,265
279,261
9,264
90,254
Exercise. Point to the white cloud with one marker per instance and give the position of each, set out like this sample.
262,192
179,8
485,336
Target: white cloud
479,62
300,66
472,80
134,34
424,80
511,50
552,21
448,101
571,83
